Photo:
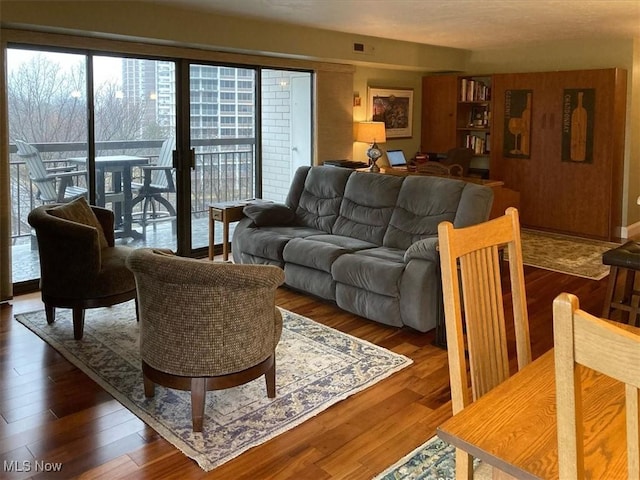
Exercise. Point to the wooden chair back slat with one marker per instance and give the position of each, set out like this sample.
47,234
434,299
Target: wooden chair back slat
482,292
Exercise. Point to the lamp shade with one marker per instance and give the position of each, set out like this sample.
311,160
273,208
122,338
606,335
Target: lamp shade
371,132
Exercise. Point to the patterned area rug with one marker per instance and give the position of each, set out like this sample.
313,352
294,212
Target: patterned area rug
317,366
433,460
577,256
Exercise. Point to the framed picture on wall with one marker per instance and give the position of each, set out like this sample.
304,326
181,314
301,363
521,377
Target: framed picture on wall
394,107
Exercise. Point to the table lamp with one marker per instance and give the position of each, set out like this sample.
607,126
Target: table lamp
372,132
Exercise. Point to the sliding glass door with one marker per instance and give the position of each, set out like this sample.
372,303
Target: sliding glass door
111,121
47,105
222,126
155,140
134,125
250,129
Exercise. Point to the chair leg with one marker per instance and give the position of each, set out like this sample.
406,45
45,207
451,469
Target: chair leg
145,206
171,209
78,322
635,308
137,309
464,465
270,378
611,287
50,313
627,296
154,212
198,393
149,387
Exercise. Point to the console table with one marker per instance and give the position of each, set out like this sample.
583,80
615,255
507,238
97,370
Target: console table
225,212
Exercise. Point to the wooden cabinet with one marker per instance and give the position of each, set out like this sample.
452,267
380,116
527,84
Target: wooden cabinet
569,172
567,166
439,107
456,112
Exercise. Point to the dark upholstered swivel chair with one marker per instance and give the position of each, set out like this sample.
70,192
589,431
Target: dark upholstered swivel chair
80,267
205,325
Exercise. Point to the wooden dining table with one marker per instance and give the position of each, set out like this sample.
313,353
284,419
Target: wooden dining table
513,427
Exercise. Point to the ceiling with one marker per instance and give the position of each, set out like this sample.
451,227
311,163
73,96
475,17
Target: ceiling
467,24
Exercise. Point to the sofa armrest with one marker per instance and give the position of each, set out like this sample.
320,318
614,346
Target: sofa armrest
425,249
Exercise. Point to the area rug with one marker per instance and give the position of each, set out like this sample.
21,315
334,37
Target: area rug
576,256
433,460
317,366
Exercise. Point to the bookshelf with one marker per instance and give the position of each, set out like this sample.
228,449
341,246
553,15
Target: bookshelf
456,112
473,118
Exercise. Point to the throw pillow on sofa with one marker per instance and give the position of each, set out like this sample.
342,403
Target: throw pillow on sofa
269,214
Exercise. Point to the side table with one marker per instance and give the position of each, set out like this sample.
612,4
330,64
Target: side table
225,212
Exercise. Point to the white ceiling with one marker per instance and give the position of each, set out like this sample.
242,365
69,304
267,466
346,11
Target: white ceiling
468,24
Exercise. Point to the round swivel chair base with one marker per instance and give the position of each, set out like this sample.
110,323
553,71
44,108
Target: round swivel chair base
199,386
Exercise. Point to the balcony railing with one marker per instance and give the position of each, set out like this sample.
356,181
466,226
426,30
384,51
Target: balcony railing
224,170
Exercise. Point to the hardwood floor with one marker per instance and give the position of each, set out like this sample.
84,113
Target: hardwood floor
52,412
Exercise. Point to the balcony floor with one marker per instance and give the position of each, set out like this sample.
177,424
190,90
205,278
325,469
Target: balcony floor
26,264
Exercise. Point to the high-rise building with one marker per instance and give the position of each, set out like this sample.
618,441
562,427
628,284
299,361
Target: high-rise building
222,99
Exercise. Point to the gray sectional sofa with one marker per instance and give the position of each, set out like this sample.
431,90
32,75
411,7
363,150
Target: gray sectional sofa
365,241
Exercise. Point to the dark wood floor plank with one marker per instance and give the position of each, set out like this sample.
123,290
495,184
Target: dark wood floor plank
112,444
34,433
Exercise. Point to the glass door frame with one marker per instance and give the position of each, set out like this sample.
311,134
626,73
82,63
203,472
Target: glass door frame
186,156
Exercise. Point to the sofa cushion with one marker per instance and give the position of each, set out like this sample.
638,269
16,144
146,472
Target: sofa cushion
310,280
79,211
476,201
380,308
369,201
265,243
320,200
269,214
423,202
114,277
269,242
369,273
396,255
348,243
313,254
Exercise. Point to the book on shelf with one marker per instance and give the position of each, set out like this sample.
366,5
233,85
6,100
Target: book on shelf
476,143
474,91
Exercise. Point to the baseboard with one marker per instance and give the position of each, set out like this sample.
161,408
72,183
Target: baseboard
630,231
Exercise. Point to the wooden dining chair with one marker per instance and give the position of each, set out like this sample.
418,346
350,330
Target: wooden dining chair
474,310
582,339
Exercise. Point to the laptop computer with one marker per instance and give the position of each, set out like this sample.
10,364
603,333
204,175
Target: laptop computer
396,158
